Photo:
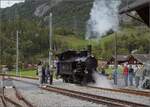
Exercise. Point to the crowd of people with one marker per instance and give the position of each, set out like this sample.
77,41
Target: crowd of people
44,74
130,74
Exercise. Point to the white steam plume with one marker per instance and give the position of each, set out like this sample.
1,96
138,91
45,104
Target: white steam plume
101,81
103,18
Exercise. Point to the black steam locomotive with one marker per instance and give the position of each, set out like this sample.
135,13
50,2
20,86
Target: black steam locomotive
76,67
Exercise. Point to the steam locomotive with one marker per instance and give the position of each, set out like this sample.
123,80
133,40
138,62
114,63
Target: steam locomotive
76,66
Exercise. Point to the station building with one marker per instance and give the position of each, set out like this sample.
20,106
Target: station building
133,59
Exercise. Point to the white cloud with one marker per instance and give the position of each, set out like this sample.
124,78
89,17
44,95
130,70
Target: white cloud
8,3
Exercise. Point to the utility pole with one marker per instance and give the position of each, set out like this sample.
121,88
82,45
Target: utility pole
149,25
0,44
50,40
50,48
127,3
1,59
75,30
149,14
17,51
115,50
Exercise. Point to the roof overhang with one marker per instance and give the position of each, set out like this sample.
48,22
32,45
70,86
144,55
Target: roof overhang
142,7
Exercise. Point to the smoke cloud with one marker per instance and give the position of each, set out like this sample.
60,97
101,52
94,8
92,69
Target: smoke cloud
103,18
101,81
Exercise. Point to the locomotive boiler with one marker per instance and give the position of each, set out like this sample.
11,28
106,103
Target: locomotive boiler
76,66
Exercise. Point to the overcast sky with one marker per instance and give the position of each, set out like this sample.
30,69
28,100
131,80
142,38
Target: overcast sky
8,3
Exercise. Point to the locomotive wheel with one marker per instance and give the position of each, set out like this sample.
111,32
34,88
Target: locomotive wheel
67,79
84,80
83,83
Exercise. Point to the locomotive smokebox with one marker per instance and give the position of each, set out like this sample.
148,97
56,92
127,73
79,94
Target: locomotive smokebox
89,49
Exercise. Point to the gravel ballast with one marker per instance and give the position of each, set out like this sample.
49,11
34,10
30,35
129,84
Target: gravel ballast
116,95
42,98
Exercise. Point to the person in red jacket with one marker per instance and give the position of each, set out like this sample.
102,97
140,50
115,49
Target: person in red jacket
125,74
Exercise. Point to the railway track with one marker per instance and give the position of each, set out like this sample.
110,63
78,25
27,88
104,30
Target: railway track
18,100
120,90
111,102
95,98
5,100
84,96
137,92
20,97
2,101
123,90
12,97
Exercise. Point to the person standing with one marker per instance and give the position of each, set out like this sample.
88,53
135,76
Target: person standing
57,68
51,75
43,73
5,69
138,75
131,74
135,69
125,73
103,71
143,72
39,69
115,75
47,74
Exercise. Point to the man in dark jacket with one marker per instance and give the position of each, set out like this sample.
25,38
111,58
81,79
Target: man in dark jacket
131,74
43,74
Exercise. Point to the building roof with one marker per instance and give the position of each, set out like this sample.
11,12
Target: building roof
121,57
143,58
142,7
138,4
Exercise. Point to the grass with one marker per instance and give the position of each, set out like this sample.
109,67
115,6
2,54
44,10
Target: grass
72,41
29,73
108,70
